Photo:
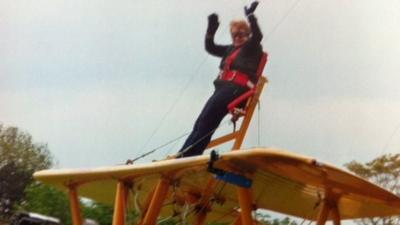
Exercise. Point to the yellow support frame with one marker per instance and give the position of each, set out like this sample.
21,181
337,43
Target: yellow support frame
160,194
329,207
238,221
120,204
244,195
74,205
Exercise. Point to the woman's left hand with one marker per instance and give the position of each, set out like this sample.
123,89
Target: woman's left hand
251,9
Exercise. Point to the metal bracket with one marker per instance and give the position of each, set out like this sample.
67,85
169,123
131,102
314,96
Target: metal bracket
232,178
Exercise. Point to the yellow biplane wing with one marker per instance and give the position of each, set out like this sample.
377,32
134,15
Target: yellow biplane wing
281,181
260,178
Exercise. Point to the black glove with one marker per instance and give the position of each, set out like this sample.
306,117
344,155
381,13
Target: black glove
212,24
251,9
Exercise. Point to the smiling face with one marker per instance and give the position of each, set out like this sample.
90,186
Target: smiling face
239,37
240,32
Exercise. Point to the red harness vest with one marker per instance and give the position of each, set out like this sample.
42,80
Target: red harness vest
232,106
233,75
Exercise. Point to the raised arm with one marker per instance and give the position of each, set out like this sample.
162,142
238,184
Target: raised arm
255,29
211,47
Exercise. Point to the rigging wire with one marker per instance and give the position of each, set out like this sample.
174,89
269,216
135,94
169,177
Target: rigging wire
200,139
291,185
157,148
386,145
282,20
179,96
211,201
172,148
130,161
258,123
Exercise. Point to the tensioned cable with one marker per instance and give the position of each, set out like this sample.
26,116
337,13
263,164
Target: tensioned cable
183,151
175,102
284,181
172,148
266,38
390,139
209,203
294,185
258,123
282,19
291,185
200,139
161,146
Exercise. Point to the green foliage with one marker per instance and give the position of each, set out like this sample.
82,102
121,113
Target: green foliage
46,200
20,157
99,212
170,222
215,223
383,171
267,220
284,221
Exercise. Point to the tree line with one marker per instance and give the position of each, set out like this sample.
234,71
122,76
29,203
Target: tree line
20,157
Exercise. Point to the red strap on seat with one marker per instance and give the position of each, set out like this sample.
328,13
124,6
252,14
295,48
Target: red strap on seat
246,95
240,99
261,64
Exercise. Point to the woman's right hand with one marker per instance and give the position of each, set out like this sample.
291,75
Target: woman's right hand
213,23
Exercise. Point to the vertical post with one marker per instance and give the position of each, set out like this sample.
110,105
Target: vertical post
335,215
201,218
156,202
244,194
249,114
246,205
121,197
323,213
238,221
74,205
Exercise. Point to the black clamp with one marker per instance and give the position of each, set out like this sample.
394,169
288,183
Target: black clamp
232,178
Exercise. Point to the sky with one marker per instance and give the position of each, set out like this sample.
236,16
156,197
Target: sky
101,82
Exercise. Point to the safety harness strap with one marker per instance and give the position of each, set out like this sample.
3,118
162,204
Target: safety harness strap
233,75
232,107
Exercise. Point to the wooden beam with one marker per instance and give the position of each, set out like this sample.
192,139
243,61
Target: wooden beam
156,202
246,205
238,221
201,218
75,205
323,213
335,215
121,198
222,139
239,135
249,114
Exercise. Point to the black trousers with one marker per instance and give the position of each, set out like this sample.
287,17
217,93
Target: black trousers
209,119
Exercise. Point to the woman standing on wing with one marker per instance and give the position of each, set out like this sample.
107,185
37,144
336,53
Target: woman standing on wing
238,66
